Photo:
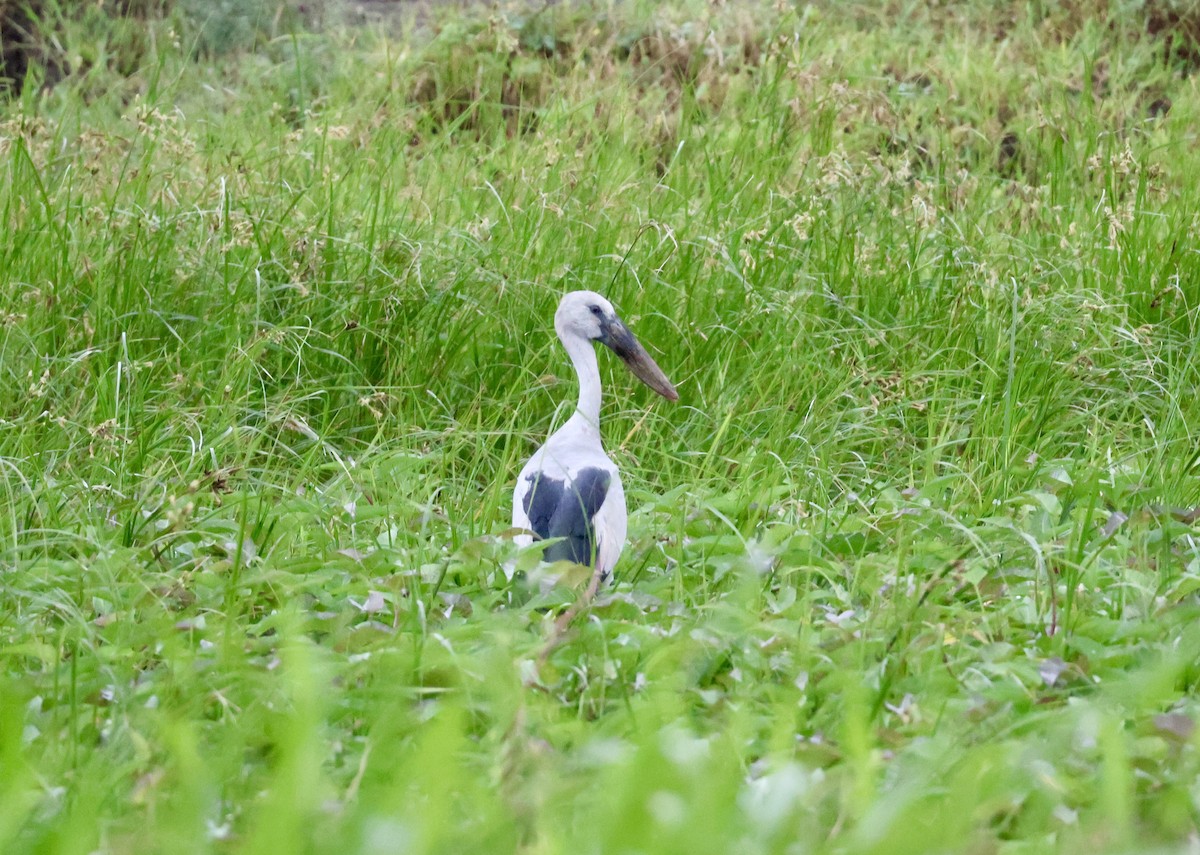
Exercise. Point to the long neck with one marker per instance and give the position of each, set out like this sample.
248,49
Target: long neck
583,357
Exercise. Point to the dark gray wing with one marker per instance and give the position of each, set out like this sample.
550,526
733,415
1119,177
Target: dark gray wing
558,509
541,501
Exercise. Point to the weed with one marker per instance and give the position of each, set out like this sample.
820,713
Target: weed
912,567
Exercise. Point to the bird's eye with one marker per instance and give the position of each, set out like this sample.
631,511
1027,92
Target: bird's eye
595,310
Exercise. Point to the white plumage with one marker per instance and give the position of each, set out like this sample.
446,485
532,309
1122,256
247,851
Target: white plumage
570,490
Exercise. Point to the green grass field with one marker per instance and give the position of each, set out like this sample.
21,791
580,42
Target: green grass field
913,564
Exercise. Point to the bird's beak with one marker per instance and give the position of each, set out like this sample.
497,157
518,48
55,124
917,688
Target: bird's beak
617,337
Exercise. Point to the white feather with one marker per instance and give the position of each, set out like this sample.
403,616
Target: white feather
571,449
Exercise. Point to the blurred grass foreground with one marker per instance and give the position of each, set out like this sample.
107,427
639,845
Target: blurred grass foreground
913,565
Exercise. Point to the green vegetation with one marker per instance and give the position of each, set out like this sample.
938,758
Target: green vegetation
913,565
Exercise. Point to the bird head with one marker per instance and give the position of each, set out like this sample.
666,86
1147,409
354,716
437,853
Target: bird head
589,316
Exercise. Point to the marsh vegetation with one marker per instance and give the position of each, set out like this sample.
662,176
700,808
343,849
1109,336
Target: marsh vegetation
913,564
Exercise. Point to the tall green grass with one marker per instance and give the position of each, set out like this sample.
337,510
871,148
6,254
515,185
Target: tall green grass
912,565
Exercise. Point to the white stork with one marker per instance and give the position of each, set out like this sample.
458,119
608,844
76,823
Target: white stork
569,490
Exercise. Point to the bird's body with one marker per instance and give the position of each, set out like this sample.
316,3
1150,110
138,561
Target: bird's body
570,490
